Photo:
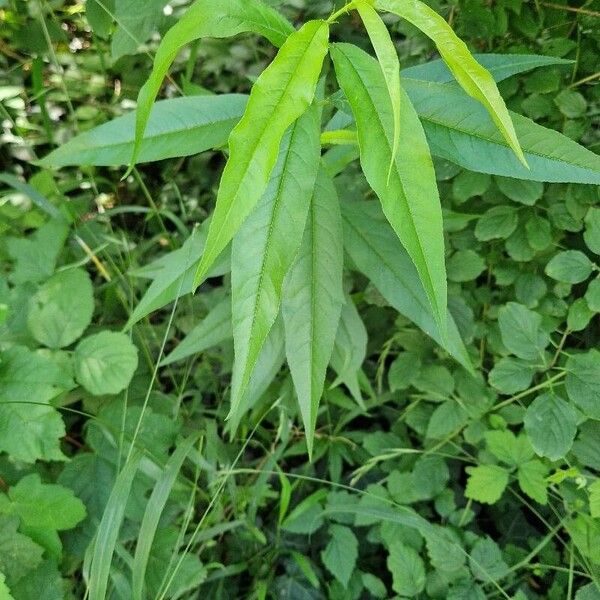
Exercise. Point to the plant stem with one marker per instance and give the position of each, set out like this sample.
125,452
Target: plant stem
345,9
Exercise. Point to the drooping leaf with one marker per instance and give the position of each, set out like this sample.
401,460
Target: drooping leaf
410,200
532,480
500,66
266,245
176,127
173,274
551,425
472,77
206,18
459,130
375,250
19,555
389,63
212,330
62,308
281,94
105,362
312,301
486,561
350,349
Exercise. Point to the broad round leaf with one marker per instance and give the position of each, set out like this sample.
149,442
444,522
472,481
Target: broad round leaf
61,309
105,362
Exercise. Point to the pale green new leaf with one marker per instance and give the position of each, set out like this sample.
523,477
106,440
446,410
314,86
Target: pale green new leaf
375,250
341,553
266,245
388,61
176,127
459,130
281,94
410,199
473,78
206,18
312,301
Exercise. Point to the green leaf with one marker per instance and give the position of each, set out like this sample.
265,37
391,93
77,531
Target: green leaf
36,255
508,448
176,127
339,557
375,250
500,66
458,129
471,76
5,590
404,370
29,430
465,265
592,295
173,275
532,480
108,530
583,382
214,329
205,18
350,349
498,222
154,509
551,425
570,266
43,583
539,232
105,362
281,94
135,23
522,332
579,315
45,505
594,490
520,190
19,555
486,483
312,301
61,310
571,104
266,245
511,375
389,63
409,196
407,569
486,562
592,229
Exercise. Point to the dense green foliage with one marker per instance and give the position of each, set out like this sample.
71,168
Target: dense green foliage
387,384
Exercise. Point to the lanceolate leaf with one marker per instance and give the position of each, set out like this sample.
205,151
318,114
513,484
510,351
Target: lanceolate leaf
473,78
214,329
458,129
280,95
206,18
410,199
388,61
176,127
266,245
376,252
500,66
312,301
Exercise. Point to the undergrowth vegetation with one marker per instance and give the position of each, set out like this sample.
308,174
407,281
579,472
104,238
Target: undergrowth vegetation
299,300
